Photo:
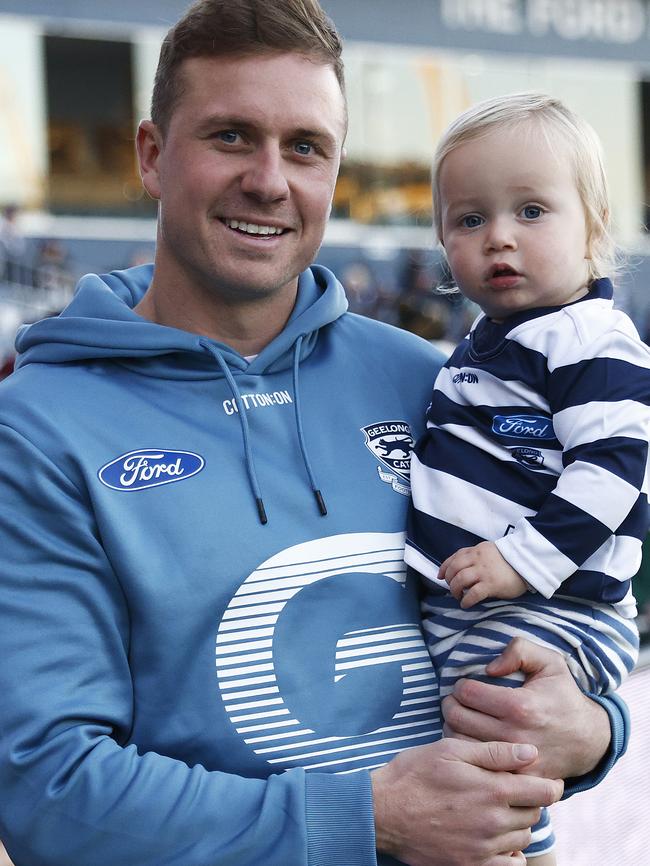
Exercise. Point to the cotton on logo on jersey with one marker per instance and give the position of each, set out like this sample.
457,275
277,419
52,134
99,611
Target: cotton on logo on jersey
149,467
391,442
258,401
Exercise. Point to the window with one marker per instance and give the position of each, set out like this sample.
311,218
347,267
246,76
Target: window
91,128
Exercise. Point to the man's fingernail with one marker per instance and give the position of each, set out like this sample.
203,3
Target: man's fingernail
524,752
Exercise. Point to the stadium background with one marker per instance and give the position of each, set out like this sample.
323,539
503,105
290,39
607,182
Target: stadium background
75,77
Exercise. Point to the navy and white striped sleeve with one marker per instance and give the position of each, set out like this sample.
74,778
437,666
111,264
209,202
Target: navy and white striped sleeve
595,518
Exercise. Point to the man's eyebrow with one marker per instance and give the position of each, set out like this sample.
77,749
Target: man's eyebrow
222,120
312,133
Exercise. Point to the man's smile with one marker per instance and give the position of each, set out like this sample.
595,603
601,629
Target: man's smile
251,228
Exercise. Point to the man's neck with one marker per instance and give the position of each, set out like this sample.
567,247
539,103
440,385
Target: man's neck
245,327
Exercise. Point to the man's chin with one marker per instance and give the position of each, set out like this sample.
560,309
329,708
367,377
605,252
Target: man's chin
264,287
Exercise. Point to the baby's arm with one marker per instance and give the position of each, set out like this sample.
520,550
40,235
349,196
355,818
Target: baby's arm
479,572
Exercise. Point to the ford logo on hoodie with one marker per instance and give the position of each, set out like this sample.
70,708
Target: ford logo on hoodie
149,467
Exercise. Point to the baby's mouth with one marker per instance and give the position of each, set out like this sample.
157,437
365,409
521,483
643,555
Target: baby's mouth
502,271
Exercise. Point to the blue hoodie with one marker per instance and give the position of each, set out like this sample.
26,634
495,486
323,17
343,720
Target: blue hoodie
205,623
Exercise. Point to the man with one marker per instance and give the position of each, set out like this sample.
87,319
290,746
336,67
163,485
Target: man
210,651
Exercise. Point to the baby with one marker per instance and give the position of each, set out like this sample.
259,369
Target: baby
530,485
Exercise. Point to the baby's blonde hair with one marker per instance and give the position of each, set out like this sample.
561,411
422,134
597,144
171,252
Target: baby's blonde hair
551,117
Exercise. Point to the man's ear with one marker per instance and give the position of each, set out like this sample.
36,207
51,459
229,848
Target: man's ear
149,147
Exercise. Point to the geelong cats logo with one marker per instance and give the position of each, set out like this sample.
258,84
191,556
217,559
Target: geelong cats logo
149,467
391,443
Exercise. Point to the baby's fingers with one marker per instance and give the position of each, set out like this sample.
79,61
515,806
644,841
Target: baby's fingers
453,565
473,595
462,581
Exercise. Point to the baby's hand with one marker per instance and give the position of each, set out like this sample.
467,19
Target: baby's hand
476,573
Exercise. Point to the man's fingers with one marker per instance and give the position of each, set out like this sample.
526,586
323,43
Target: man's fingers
500,757
465,723
516,858
485,697
448,731
525,791
530,792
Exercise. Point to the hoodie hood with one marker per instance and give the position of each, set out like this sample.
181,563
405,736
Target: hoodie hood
99,323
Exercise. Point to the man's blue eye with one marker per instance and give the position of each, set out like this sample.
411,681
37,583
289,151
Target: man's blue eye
304,148
229,136
472,221
532,212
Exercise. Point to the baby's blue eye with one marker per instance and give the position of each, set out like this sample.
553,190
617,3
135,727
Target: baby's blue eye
472,221
532,212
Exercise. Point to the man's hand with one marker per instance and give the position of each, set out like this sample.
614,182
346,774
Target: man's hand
479,572
571,731
455,803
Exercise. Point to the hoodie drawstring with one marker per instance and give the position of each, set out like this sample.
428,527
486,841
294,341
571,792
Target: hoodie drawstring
301,436
243,421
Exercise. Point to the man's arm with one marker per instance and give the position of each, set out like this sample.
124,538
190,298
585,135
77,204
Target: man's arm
581,742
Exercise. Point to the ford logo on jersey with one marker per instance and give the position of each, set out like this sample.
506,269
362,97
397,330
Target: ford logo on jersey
149,467
523,426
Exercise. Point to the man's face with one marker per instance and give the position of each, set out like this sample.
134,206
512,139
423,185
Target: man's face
245,173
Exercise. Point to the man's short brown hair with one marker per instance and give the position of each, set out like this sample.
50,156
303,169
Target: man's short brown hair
213,28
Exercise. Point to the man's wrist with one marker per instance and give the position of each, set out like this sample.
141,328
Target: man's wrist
608,741
383,838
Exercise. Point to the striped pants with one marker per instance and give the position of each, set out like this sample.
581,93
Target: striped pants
599,646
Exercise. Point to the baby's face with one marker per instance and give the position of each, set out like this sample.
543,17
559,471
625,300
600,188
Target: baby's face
513,223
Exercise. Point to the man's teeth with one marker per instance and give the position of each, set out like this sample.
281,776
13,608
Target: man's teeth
253,228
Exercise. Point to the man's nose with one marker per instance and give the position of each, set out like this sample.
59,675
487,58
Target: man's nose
264,177
500,235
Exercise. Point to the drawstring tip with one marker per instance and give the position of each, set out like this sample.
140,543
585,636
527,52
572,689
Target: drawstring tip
261,511
320,502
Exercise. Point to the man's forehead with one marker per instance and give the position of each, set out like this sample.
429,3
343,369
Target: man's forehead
284,88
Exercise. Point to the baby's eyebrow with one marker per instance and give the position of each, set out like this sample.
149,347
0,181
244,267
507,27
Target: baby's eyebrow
461,204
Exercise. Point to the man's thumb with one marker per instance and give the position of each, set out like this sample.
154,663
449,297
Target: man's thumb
522,655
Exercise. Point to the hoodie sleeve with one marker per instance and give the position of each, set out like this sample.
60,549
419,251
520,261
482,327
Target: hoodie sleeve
74,789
